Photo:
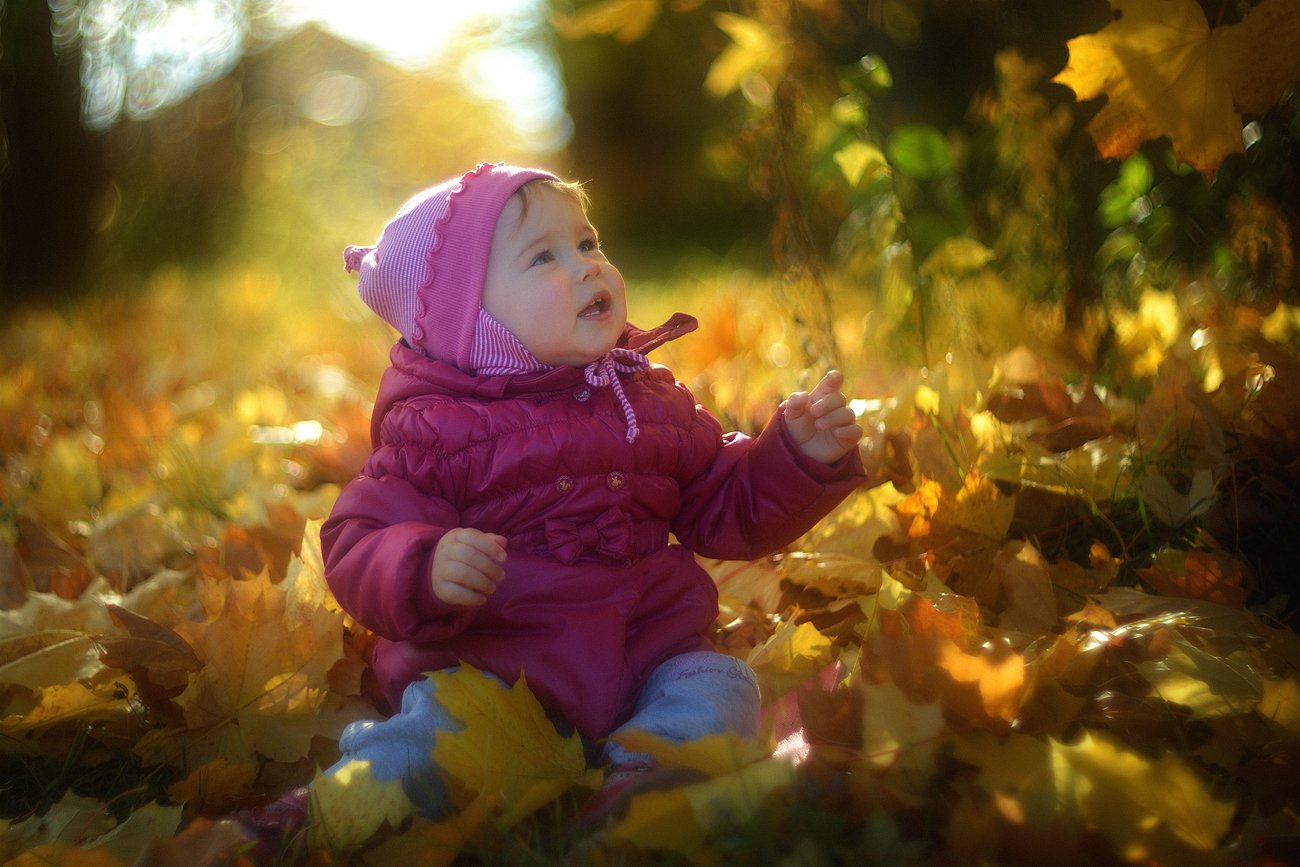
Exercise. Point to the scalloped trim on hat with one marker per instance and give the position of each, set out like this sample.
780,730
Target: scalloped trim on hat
430,270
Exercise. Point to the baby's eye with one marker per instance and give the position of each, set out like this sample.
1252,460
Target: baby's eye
590,245
543,257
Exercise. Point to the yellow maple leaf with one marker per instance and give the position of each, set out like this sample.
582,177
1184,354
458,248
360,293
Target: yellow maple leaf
349,806
899,733
712,755
1146,807
794,653
679,820
508,755
1167,73
63,702
263,687
979,508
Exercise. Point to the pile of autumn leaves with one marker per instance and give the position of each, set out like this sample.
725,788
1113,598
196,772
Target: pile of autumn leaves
970,661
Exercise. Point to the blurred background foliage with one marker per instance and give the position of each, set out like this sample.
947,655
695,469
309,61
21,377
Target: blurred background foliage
841,145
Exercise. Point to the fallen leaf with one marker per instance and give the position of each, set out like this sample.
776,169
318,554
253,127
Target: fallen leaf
681,819
508,754
1206,575
1280,703
262,688
349,807
214,785
711,755
898,732
794,652
1137,802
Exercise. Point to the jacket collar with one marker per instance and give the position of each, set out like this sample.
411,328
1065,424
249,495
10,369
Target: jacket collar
412,374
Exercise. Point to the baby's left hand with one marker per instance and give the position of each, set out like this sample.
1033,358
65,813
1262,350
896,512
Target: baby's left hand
821,421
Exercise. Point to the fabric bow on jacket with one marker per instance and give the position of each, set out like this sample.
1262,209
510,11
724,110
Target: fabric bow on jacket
610,535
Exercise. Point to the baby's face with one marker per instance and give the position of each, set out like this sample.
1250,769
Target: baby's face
550,284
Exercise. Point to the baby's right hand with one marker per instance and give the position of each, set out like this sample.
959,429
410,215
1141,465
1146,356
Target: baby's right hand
467,566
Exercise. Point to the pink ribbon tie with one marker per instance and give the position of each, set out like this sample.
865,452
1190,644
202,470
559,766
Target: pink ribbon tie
604,371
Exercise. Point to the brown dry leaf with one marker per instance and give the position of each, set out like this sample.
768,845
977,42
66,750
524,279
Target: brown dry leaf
967,531
1028,600
64,855
148,648
213,785
202,843
1068,422
51,564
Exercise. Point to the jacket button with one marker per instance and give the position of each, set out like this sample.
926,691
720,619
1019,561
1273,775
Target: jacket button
615,481
583,394
564,484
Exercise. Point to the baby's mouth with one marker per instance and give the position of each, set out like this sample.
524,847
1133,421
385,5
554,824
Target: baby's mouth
598,306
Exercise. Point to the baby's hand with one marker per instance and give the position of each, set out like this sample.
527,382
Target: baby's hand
467,566
821,421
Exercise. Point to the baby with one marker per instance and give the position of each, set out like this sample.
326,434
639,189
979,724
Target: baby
538,490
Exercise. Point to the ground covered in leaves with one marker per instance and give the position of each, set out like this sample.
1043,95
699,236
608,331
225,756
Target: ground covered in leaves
1055,628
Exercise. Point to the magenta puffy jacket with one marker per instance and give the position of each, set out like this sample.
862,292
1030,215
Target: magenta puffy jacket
595,595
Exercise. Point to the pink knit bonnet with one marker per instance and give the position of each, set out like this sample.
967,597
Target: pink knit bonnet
424,276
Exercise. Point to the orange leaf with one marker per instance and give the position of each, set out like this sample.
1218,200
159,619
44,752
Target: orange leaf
996,675
1205,575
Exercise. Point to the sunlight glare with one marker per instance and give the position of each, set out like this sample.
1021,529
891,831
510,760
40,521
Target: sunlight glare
517,68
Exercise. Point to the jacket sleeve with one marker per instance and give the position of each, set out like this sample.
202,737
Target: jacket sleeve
378,544
760,494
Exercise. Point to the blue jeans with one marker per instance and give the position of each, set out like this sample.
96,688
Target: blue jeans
685,698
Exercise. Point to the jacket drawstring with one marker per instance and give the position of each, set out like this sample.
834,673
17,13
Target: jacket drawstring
605,370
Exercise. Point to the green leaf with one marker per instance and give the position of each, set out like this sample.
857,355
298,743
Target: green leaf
921,151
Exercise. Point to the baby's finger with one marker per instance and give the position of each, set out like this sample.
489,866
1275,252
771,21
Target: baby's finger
481,563
456,594
828,404
489,545
831,382
848,435
835,417
796,405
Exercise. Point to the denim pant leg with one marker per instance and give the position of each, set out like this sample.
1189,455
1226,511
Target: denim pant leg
401,747
690,696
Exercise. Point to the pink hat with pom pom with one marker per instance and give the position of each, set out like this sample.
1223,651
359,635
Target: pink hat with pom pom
424,276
